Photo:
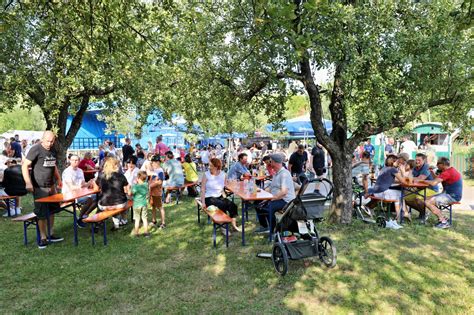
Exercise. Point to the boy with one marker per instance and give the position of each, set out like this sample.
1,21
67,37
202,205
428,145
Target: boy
156,191
140,192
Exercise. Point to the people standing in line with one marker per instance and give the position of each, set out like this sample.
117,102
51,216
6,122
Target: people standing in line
42,159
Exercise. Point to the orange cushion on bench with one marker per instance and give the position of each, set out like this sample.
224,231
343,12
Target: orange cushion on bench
101,216
219,216
26,217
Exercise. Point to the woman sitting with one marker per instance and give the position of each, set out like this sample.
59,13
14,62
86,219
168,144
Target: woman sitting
114,188
190,175
382,188
212,188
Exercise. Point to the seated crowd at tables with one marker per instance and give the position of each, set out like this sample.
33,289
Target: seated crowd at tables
400,169
143,176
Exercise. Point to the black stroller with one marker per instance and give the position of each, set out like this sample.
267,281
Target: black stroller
295,233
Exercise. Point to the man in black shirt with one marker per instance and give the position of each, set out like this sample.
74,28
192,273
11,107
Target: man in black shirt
42,159
318,160
127,151
297,162
14,184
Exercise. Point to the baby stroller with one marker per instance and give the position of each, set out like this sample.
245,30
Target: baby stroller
295,233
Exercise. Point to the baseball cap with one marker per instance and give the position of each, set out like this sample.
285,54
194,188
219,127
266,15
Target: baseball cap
277,158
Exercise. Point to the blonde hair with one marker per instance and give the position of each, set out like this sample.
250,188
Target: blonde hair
111,165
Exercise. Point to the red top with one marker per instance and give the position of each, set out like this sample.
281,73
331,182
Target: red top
161,148
450,176
84,162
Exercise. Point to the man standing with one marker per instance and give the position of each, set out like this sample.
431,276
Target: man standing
42,159
283,191
368,147
16,148
452,190
160,147
408,147
389,149
127,151
297,162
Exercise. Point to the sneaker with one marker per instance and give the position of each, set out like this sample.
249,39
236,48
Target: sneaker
43,244
10,213
80,224
162,226
236,229
396,225
123,222
147,235
262,230
442,225
389,224
55,239
18,211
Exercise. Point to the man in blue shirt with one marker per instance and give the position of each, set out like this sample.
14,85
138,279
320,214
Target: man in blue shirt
368,147
16,147
239,168
421,172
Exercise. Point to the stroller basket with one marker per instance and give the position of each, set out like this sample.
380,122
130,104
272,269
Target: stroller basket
302,249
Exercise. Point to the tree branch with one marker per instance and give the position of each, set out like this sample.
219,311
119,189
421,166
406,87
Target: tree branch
76,120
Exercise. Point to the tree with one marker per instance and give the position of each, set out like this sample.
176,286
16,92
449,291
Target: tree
22,119
390,62
61,56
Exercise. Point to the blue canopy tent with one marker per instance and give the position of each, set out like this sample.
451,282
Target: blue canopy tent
91,133
300,127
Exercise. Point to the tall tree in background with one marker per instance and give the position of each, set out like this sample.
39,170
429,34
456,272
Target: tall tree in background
389,62
61,56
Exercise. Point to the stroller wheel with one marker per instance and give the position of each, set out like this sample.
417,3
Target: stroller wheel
280,258
381,222
327,252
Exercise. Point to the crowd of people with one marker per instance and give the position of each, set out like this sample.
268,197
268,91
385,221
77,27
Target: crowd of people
142,175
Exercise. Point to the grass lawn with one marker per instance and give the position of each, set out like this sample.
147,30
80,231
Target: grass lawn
414,270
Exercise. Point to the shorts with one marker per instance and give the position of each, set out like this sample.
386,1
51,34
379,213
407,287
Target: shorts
139,213
443,199
320,171
156,201
44,209
413,196
390,194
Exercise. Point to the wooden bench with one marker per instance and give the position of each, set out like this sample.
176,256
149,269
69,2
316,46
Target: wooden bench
449,207
170,190
28,219
219,218
8,200
101,217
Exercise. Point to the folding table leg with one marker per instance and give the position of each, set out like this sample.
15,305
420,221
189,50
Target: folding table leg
214,235
38,236
227,235
105,232
25,236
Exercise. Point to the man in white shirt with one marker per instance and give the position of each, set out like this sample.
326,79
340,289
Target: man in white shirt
73,178
408,146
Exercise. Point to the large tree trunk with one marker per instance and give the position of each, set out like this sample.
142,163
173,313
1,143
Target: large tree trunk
341,207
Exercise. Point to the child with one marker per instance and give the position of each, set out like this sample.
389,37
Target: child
139,192
156,191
